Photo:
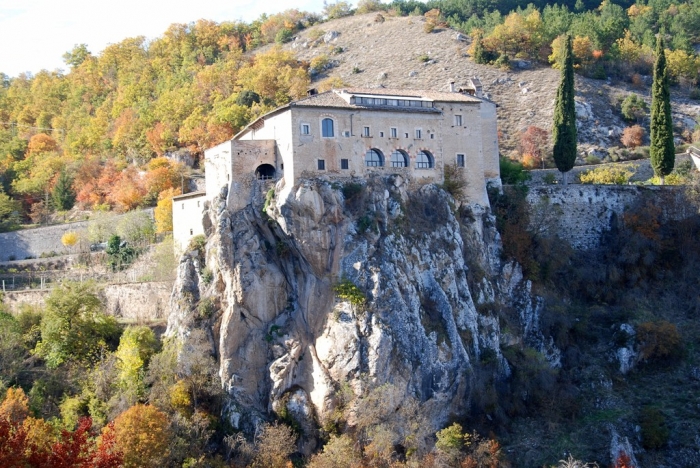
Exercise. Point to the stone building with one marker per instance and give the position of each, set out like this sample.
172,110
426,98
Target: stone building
354,132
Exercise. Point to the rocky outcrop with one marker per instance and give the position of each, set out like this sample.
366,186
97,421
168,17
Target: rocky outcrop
365,284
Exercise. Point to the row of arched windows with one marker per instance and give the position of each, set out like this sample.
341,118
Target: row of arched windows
398,158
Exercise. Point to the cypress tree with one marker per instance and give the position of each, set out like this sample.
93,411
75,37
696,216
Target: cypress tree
662,151
564,131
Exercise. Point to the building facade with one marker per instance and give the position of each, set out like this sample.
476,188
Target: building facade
356,132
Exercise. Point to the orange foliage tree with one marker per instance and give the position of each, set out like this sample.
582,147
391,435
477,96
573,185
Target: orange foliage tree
632,136
41,143
534,141
128,191
142,433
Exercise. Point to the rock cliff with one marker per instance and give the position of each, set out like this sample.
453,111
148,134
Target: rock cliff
324,285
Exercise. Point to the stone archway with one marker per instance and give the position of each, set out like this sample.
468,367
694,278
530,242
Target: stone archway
265,172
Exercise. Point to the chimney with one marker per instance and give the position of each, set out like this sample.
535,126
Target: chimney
312,92
452,86
476,84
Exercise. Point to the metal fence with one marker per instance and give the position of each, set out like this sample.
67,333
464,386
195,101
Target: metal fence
51,278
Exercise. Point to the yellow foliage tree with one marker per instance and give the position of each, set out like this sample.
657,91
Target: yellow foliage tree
682,65
275,75
607,175
15,406
518,35
142,434
164,210
582,47
69,239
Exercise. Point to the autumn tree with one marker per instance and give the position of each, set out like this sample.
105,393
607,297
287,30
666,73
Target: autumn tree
564,130
534,141
273,446
662,149
136,346
42,143
632,136
142,434
164,210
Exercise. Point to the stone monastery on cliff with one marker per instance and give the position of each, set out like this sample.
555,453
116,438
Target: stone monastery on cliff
352,132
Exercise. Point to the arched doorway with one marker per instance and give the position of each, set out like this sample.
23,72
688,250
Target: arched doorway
265,172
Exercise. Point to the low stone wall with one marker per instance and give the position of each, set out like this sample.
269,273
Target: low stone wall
137,302
580,214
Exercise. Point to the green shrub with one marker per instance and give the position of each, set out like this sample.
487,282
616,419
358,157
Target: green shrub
348,291
423,58
198,243
549,178
590,159
318,64
316,33
207,275
455,181
512,172
653,426
351,189
633,108
502,62
284,35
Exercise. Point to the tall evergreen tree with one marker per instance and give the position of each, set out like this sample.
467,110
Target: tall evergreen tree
564,130
662,151
63,194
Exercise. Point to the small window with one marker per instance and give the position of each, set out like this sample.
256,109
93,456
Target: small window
282,166
460,160
305,129
374,158
327,128
424,160
458,120
405,135
365,131
381,134
419,134
191,232
432,136
344,164
321,164
393,133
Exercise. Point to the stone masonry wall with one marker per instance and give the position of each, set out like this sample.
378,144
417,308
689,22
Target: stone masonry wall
31,243
137,302
580,214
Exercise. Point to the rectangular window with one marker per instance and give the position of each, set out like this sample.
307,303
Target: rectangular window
432,136
305,129
405,135
365,131
460,160
344,164
458,120
321,164
381,134
393,133
327,128
419,133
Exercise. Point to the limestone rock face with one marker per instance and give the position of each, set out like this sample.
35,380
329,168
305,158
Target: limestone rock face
427,277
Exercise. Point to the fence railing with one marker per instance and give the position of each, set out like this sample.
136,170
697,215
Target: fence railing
48,279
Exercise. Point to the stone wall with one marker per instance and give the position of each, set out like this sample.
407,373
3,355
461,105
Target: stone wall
580,214
32,243
133,302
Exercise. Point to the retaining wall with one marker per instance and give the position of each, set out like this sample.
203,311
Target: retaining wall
581,214
130,301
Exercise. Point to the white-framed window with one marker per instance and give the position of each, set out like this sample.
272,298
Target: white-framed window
327,128
365,131
321,164
305,129
393,132
419,134
458,120
460,160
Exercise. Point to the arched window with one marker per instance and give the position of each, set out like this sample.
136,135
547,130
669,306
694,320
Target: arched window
374,158
327,128
399,159
424,160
